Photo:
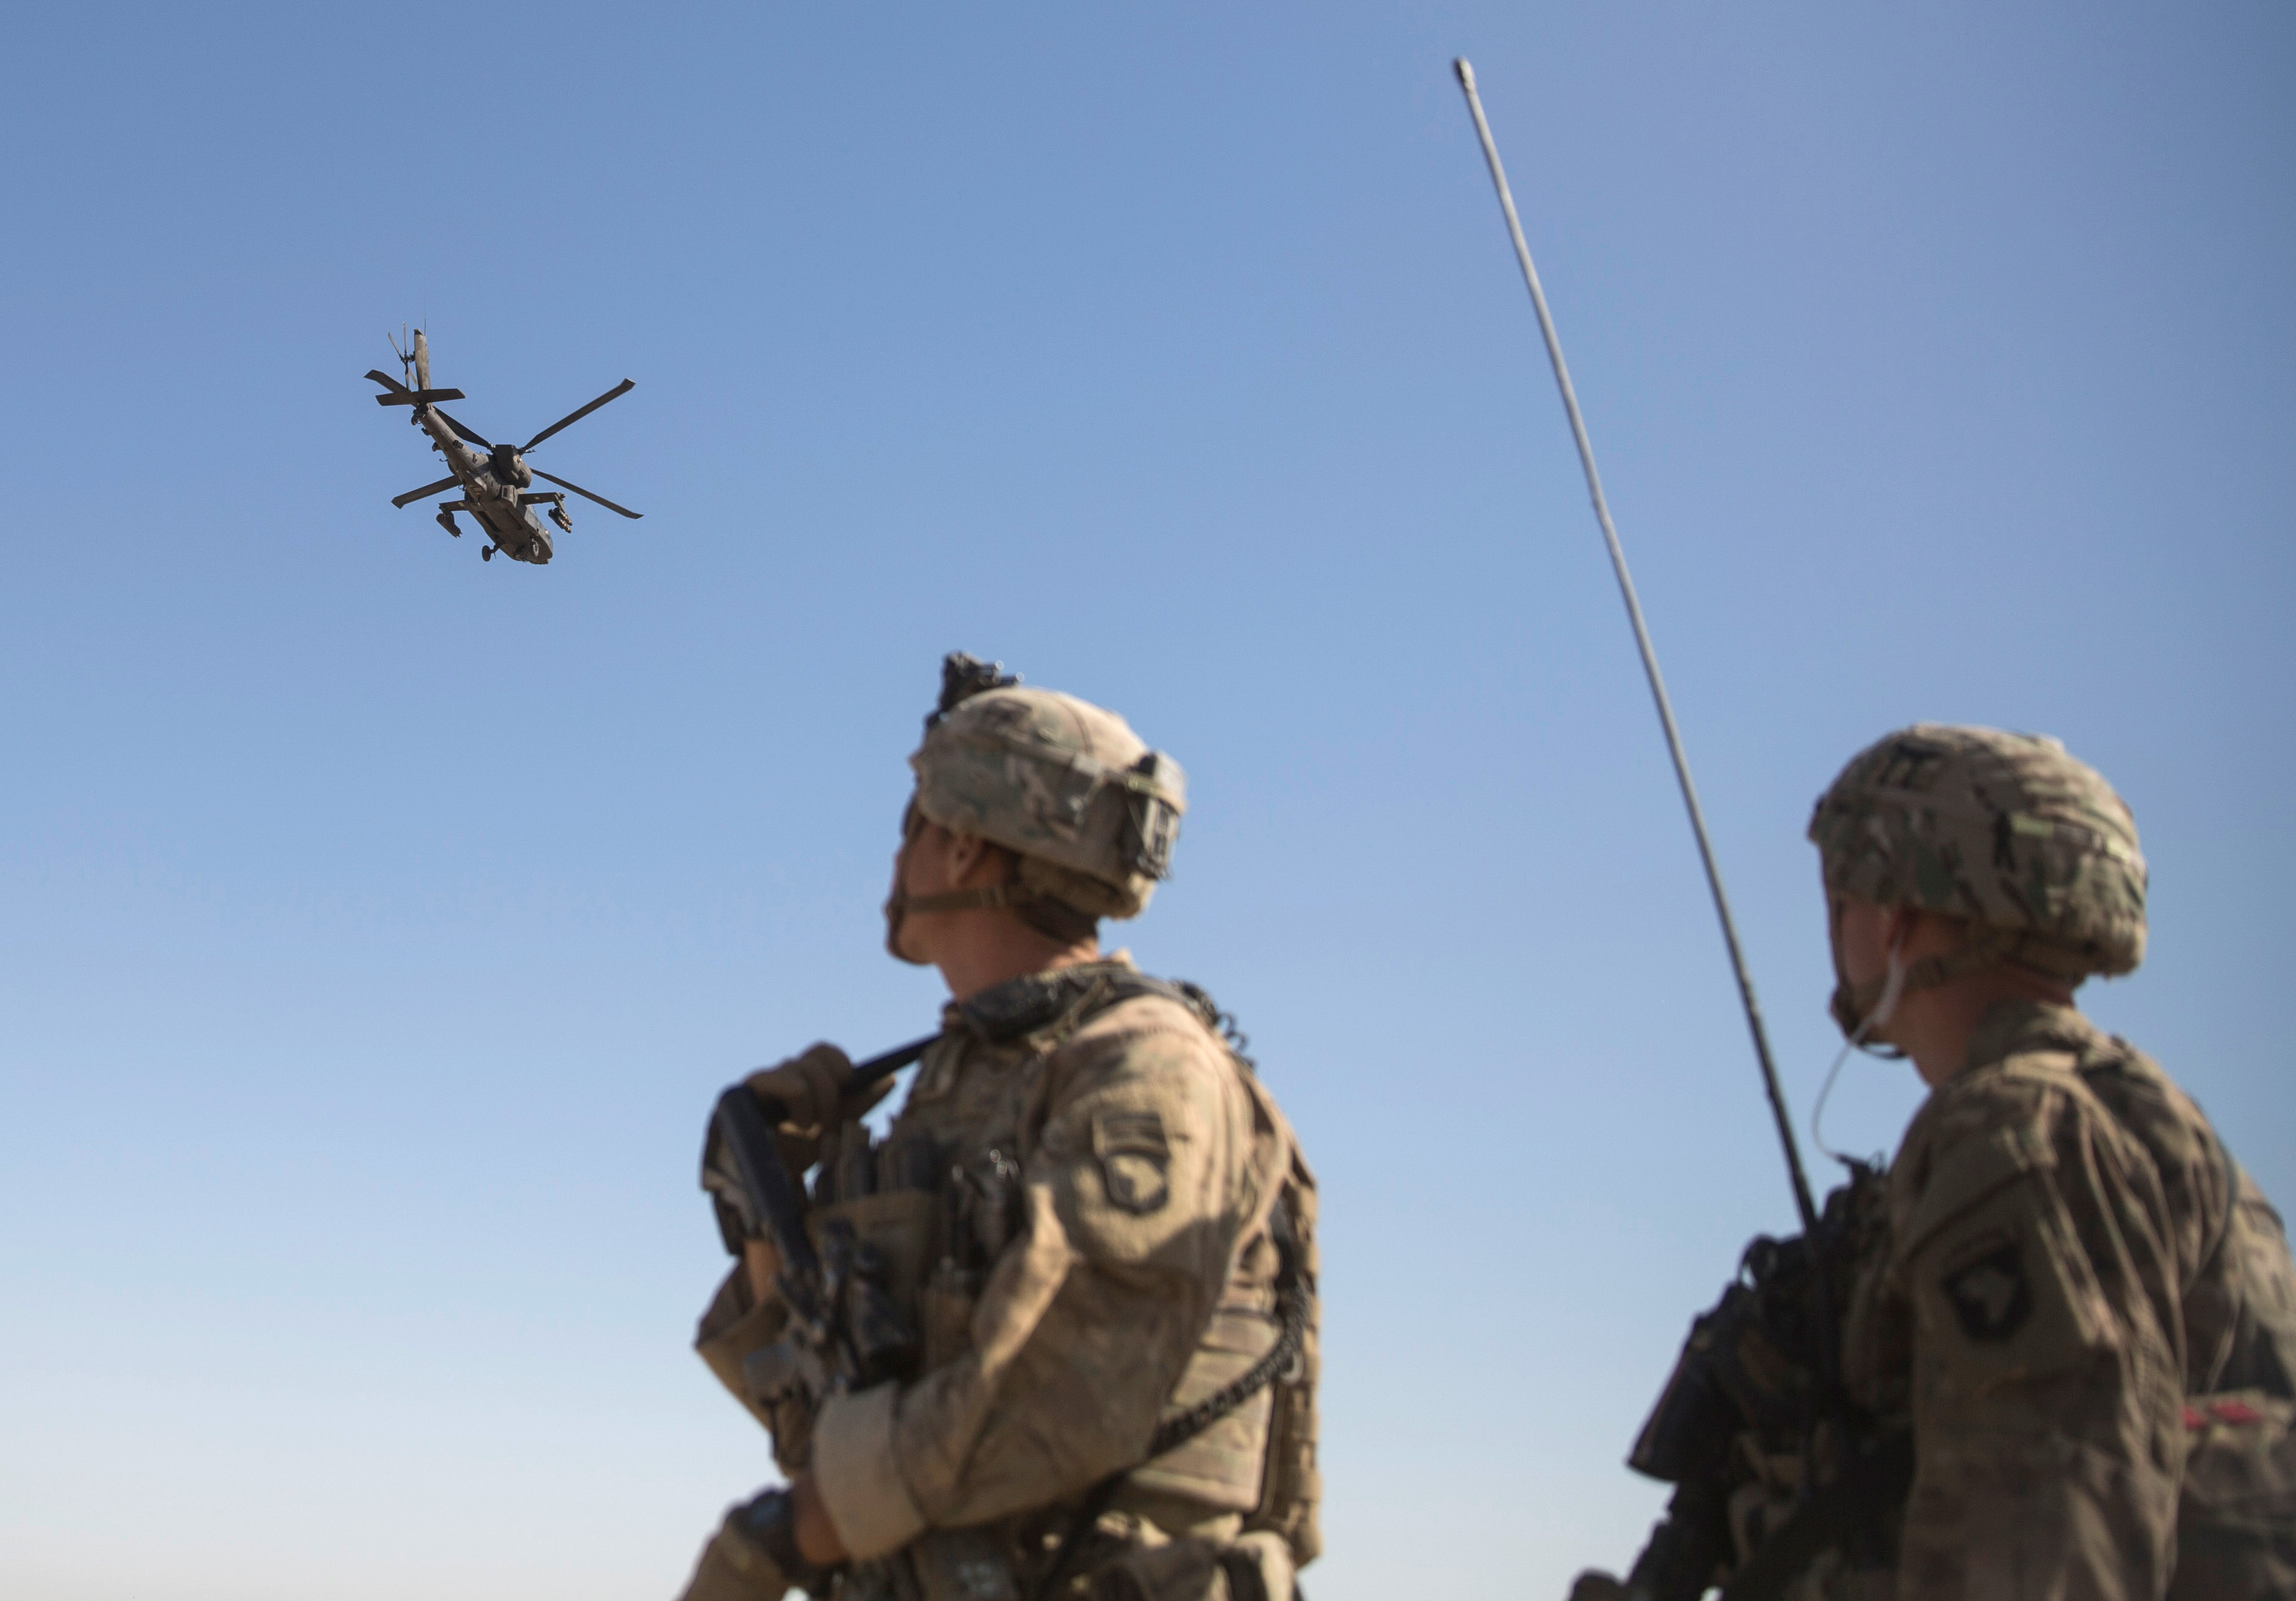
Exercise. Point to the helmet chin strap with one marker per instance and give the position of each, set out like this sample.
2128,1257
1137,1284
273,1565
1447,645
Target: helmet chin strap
1013,893
899,904
1893,990
1894,981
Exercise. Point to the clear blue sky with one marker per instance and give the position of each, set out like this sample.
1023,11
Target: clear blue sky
375,925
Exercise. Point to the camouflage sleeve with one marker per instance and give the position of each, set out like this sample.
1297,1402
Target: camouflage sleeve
1135,1192
2037,1256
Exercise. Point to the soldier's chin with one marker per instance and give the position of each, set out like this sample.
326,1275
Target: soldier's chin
896,923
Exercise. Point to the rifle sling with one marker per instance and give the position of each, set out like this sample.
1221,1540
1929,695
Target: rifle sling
1174,1433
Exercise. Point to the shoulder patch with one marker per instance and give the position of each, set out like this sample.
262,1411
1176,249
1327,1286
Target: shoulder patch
1986,1288
1135,1158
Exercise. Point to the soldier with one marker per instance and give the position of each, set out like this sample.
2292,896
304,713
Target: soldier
1089,1212
2066,1291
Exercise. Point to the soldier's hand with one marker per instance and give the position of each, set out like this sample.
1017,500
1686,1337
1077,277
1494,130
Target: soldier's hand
1596,1585
760,1553
733,1567
812,1087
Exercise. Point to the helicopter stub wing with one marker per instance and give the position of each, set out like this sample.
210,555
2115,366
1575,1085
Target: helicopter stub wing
424,493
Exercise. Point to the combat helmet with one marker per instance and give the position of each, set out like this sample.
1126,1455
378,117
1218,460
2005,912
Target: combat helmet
1091,813
2008,831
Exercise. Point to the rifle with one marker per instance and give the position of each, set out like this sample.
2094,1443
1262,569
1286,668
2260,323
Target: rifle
844,1332
1751,1368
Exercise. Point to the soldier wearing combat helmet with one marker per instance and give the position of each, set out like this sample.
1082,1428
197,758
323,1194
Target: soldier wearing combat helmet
1089,1230
2064,1324
2080,1288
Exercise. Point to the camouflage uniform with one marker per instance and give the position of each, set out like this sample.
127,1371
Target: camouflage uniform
2071,1255
1087,1207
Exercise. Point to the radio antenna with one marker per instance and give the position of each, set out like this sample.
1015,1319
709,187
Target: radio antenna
1802,1201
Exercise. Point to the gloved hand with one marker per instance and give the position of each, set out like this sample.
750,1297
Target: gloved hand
811,1086
754,1556
735,1567
810,1089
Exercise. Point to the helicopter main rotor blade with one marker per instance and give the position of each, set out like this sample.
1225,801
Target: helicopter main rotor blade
466,433
586,494
424,493
615,393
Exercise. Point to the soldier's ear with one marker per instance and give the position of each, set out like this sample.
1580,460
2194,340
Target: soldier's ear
966,851
1899,930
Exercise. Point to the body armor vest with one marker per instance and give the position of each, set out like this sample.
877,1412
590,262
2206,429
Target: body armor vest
940,1196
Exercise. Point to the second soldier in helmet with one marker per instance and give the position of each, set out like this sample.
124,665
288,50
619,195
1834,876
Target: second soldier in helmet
2061,1330
1090,1211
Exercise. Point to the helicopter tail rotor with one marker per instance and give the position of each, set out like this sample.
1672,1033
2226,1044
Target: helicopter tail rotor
415,361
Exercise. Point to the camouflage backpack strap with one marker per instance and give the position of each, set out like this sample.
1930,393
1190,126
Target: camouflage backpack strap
1044,1009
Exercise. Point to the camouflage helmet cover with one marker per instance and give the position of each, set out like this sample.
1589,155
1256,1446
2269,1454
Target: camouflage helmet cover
2007,830
1091,811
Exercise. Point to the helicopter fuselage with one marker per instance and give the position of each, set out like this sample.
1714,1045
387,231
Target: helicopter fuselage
492,490
496,483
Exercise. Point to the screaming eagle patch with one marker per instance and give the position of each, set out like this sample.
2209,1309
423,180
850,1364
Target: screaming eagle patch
1133,1159
1988,1294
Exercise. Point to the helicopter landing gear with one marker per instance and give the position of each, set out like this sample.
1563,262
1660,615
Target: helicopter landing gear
487,554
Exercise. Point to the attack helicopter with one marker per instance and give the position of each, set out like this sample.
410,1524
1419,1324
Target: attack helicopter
494,478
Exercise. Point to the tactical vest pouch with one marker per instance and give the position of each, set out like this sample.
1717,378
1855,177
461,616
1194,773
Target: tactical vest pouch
945,1312
1257,1567
902,1226
941,1565
961,1564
